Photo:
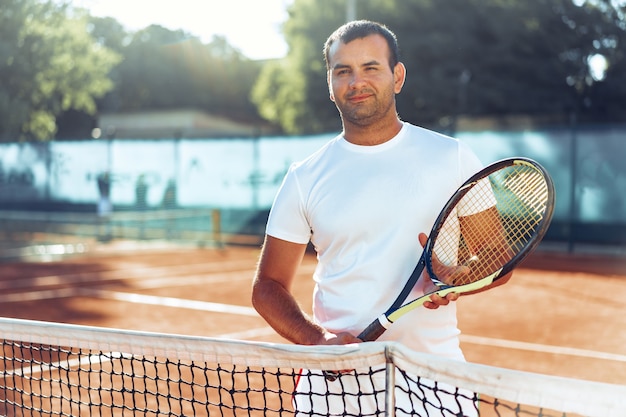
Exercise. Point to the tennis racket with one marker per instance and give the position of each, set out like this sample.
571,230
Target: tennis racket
490,225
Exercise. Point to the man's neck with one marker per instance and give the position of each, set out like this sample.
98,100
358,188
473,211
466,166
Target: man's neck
372,134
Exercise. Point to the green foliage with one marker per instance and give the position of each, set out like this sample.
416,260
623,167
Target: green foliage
59,66
293,93
464,57
48,64
164,69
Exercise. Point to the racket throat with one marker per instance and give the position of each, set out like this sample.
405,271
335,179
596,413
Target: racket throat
375,329
384,321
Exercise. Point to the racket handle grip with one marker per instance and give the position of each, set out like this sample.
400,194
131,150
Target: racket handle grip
372,332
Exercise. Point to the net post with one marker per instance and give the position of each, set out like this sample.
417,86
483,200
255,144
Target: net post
217,226
390,384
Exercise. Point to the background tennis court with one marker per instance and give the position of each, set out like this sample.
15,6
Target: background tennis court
560,315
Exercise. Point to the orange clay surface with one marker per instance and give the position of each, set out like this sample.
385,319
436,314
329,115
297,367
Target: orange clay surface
561,314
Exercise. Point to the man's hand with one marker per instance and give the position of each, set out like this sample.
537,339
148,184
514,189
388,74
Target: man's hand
435,299
342,338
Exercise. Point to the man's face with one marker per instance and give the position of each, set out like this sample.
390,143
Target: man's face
361,83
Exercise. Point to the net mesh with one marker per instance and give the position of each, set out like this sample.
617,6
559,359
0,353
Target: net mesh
19,230
51,369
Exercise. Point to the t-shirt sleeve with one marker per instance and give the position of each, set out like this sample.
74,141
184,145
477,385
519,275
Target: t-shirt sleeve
287,219
468,162
470,165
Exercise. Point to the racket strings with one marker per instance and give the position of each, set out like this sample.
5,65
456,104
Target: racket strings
527,208
493,222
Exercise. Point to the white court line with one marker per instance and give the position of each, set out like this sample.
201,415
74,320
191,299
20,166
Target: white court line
176,281
535,347
251,312
247,311
66,365
38,295
477,340
268,331
171,302
148,283
171,272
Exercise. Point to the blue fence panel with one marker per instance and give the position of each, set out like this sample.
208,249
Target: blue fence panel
244,174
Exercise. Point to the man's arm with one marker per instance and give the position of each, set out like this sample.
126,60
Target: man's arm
272,296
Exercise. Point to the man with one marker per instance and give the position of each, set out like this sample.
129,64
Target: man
363,201
104,189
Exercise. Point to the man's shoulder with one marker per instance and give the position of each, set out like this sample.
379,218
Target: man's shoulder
420,131
319,156
430,138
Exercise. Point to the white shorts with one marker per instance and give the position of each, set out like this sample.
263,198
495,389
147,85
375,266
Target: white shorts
364,395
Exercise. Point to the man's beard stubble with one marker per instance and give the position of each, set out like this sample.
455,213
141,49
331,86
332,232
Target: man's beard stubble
363,116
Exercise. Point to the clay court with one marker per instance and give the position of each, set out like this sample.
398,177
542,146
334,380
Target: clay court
562,314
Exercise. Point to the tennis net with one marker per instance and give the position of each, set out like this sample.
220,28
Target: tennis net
53,369
201,226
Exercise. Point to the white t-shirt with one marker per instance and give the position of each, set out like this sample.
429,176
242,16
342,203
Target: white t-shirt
362,207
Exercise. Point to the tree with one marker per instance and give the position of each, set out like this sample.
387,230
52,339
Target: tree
471,57
293,92
49,65
600,96
165,69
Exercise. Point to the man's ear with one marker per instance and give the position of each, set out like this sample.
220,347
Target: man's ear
399,75
330,88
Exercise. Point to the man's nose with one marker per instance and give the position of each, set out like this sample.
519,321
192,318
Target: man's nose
357,80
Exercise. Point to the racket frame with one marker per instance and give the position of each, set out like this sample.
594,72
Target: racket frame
397,309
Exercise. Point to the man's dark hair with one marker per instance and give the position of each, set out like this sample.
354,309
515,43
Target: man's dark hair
359,29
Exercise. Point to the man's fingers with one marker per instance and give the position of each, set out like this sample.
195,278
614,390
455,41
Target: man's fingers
436,300
333,375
